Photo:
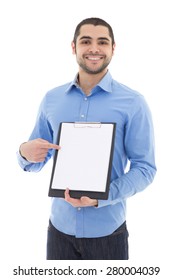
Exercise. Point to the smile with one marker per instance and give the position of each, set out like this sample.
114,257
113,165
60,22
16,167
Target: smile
94,58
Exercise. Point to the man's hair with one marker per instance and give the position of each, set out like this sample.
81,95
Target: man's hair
94,21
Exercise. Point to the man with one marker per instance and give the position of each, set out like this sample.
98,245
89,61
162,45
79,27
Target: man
88,228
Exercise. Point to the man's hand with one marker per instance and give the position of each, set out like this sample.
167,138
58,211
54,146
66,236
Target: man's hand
36,150
84,201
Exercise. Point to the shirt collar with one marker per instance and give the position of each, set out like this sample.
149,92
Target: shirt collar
105,83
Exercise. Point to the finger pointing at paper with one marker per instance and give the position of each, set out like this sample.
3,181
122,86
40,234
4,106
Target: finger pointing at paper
36,150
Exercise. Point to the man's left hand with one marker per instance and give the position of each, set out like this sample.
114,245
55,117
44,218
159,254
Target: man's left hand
84,201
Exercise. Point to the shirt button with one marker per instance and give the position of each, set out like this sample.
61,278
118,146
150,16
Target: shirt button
82,116
85,98
79,209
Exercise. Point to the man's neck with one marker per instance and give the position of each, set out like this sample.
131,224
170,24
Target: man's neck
88,81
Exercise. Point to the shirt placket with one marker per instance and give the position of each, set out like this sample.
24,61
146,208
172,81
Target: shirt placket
79,222
84,109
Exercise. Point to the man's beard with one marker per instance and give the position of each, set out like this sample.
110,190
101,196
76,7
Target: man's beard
92,71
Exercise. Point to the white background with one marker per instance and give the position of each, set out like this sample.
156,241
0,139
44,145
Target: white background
35,55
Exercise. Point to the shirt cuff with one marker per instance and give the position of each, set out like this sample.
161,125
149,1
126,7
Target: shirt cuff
22,162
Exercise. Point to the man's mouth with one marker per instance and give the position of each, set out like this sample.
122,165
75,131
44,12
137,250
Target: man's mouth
93,58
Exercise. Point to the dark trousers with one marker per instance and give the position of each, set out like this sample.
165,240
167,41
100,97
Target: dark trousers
61,246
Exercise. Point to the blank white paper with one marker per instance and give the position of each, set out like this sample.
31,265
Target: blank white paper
83,161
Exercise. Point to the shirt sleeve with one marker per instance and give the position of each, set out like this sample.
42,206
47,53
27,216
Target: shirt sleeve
140,151
42,129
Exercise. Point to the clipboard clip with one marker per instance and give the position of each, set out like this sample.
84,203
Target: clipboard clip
87,125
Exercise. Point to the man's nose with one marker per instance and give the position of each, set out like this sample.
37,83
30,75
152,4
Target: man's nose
94,48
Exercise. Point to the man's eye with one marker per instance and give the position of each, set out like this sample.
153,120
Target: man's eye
86,42
103,42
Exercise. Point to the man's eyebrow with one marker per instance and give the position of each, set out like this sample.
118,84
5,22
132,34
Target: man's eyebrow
100,38
103,38
85,37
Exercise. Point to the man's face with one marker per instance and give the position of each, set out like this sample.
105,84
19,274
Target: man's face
93,48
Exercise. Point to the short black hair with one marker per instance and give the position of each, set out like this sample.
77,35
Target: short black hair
94,21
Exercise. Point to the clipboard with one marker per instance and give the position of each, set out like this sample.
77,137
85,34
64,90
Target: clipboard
83,164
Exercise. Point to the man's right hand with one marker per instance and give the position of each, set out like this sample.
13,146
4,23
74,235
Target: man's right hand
36,150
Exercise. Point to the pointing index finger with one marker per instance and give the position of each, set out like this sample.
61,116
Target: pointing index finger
54,146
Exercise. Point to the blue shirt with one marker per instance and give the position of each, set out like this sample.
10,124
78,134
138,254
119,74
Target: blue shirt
109,101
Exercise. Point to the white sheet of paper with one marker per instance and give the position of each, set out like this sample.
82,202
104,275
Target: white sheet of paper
83,160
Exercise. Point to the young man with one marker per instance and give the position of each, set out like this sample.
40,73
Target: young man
88,228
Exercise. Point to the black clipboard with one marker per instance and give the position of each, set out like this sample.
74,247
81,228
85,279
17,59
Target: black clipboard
83,164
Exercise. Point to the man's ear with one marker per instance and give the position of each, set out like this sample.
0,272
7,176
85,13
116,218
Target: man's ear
113,49
73,47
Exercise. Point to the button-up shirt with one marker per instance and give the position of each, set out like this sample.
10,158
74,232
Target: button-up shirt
108,101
